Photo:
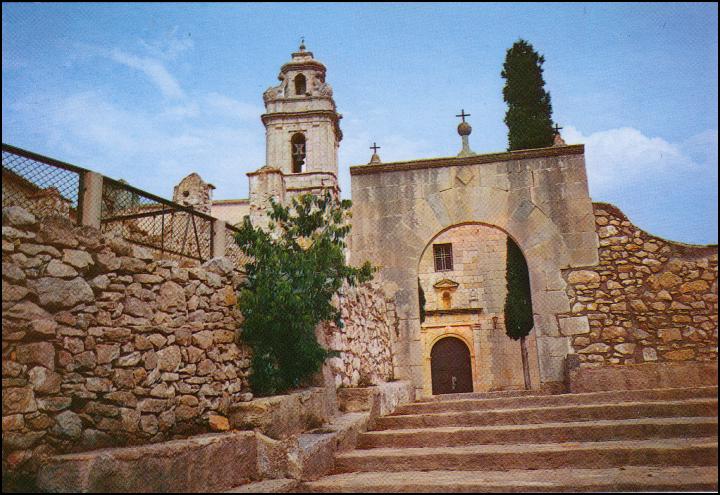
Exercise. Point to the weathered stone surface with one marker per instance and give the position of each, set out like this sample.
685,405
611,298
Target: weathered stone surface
160,467
583,277
56,293
680,355
574,325
67,425
26,310
169,359
42,353
18,400
58,269
44,381
218,423
171,296
17,217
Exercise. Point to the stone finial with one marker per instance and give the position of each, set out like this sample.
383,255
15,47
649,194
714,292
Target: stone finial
464,129
375,158
195,192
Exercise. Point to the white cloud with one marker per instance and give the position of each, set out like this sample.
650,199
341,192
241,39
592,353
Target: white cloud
152,150
153,69
619,156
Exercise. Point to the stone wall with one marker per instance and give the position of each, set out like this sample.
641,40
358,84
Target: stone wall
649,300
104,345
365,342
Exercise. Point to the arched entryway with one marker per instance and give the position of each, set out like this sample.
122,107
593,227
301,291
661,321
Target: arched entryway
450,367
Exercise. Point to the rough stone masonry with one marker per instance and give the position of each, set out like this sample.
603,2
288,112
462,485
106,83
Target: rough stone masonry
104,345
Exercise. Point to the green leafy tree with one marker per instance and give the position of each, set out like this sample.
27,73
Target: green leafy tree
296,268
518,302
529,112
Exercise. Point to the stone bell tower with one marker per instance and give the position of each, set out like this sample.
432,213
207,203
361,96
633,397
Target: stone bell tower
302,136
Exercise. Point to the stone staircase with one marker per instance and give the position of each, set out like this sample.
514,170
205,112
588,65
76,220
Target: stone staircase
641,440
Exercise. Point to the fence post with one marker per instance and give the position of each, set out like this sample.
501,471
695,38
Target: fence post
91,199
218,238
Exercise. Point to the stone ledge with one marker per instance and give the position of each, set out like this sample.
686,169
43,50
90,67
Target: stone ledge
643,376
204,463
379,400
575,149
282,416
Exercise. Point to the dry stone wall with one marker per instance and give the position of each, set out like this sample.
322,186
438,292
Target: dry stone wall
364,344
649,300
104,345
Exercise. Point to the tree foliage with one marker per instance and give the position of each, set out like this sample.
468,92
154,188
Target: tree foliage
518,302
297,266
529,112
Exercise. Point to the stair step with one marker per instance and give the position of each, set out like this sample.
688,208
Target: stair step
480,395
664,452
468,402
585,431
565,413
631,478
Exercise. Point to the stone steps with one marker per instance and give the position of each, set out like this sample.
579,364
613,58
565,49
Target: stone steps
657,452
478,395
565,413
470,402
640,440
582,431
629,478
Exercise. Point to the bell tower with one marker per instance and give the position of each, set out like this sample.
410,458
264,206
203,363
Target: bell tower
302,125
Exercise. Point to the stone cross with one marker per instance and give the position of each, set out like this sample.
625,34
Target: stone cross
374,147
463,115
557,128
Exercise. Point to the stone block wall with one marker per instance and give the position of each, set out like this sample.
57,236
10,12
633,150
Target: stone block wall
104,345
366,340
649,300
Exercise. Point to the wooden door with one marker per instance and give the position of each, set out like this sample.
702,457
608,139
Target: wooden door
450,367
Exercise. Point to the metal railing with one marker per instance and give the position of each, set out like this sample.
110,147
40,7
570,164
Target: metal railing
156,223
45,186
232,250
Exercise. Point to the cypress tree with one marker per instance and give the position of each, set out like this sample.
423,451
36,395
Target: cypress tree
518,302
529,113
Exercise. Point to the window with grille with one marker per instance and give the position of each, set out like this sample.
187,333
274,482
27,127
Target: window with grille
443,257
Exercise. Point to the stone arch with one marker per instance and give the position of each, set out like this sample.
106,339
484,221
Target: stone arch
533,231
298,152
487,341
300,85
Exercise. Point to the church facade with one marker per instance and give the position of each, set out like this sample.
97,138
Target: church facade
438,229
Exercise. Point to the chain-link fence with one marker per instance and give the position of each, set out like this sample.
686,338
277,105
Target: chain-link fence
41,185
232,250
156,223
45,186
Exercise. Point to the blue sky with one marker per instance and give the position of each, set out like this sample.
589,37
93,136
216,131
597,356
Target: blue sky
152,92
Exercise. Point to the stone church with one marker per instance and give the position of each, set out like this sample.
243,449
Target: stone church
438,229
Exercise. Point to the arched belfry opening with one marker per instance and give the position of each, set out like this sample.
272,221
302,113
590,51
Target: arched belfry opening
298,151
300,85
450,367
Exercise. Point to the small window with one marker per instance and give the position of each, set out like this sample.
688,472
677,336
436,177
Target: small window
443,257
300,85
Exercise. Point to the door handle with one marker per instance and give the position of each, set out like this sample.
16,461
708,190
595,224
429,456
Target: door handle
454,382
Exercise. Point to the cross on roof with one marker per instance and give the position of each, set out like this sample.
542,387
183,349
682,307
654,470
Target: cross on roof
463,115
374,147
557,129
